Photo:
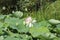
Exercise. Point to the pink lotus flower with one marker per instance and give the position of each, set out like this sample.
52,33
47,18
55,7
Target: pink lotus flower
28,20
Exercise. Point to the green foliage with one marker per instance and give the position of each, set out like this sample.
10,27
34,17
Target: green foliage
53,10
12,28
39,31
28,5
57,29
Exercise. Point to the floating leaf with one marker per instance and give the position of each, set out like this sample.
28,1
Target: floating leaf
16,23
11,38
1,37
2,16
35,31
42,23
